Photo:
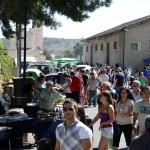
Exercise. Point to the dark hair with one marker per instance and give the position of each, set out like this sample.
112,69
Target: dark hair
130,96
41,77
145,88
107,94
81,114
70,101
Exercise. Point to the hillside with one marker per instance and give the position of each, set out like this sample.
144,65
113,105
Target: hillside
54,45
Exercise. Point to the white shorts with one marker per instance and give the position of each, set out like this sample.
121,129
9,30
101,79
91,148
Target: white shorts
107,132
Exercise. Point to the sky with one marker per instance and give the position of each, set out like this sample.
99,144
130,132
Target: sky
119,12
102,19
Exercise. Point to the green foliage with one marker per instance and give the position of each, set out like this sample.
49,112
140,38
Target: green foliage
43,12
65,54
48,55
6,64
78,49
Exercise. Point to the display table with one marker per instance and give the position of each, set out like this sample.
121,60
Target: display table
19,122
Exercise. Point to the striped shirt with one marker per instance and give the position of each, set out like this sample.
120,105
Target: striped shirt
70,138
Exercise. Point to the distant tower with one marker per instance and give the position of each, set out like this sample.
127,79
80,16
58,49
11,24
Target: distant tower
34,43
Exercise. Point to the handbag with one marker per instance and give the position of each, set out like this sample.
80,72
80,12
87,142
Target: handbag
116,128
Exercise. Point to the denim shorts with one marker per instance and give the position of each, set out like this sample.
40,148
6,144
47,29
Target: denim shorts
107,132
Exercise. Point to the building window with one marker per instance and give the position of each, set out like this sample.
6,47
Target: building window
87,49
136,46
115,45
102,47
96,48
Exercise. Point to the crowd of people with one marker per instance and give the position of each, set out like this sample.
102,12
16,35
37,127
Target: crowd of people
122,97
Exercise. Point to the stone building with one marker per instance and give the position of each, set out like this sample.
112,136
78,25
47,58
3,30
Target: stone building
34,44
124,45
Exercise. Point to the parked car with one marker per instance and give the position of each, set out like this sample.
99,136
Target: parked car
85,67
52,76
45,66
35,73
55,77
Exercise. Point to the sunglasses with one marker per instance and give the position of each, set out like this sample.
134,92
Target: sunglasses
69,108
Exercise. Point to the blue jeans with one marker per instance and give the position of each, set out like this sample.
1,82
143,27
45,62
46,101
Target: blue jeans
92,94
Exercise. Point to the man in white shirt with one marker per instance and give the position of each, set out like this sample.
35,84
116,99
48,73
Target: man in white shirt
141,110
93,83
136,92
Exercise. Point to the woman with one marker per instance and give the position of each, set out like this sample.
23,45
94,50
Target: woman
66,86
38,87
124,115
106,114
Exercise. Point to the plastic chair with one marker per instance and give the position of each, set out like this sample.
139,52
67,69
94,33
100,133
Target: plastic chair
5,134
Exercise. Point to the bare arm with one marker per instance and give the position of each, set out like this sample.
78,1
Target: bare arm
135,118
87,144
57,145
94,120
34,87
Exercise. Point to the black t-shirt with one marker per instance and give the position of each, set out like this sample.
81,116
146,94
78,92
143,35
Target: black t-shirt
85,78
120,79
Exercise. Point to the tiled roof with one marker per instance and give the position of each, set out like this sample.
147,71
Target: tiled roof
121,27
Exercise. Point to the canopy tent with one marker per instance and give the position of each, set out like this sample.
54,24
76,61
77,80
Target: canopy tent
146,60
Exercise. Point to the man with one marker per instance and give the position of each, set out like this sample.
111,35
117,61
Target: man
72,134
103,76
136,92
119,81
49,96
93,83
75,87
143,80
142,142
141,110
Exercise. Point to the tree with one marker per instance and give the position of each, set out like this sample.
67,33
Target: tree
43,12
48,55
6,64
78,49
68,54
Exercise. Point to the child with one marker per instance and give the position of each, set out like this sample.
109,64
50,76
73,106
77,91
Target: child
106,114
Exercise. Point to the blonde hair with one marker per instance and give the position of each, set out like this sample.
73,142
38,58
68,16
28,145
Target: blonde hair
107,84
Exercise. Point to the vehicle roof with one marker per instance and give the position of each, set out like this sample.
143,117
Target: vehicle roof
51,74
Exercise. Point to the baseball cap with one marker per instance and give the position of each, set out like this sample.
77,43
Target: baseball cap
49,82
147,122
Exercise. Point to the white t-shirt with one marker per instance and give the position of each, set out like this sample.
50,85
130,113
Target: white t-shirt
122,120
93,83
143,108
104,77
67,90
